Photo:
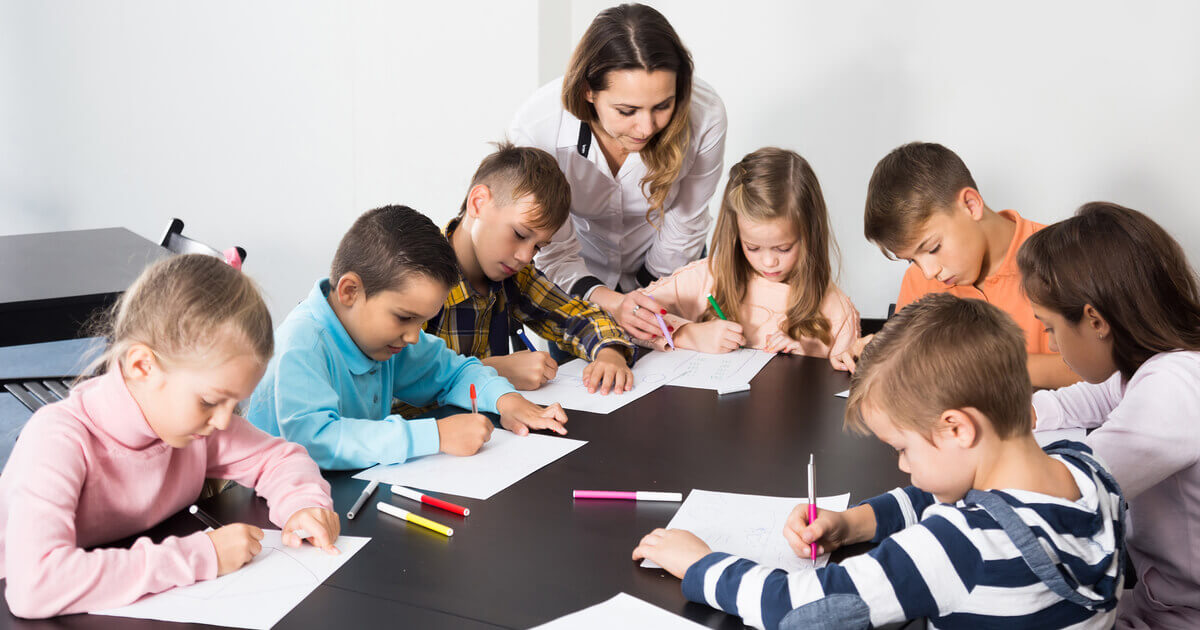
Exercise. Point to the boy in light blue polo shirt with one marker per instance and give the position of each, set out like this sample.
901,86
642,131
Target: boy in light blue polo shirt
356,342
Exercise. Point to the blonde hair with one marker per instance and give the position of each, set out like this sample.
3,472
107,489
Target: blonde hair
943,352
185,306
636,37
768,184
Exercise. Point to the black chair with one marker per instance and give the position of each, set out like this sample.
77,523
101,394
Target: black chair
174,240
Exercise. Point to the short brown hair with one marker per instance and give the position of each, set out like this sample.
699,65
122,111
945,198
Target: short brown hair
943,352
1126,267
386,245
511,172
908,186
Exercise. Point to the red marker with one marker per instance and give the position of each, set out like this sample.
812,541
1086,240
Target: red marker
474,407
428,500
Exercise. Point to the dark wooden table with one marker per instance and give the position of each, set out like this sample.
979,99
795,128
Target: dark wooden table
531,554
50,283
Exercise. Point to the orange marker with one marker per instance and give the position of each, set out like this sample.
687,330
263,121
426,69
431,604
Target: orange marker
474,406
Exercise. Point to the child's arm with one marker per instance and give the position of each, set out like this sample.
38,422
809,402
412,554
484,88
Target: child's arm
428,370
578,327
897,510
279,471
684,295
307,406
47,573
1083,405
922,571
1151,434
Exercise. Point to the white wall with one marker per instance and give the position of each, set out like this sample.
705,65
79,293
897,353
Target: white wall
273,124
265,124
1050,104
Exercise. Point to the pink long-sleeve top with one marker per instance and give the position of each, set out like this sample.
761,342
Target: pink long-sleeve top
1147,429
763,311
89,470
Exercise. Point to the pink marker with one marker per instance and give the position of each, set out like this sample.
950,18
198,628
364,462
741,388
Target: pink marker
812,500
628,496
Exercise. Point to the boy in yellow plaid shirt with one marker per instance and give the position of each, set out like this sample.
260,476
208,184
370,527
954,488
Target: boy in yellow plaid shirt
518,199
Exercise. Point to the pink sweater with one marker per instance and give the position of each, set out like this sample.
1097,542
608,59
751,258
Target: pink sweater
1148,432
685,296
89,470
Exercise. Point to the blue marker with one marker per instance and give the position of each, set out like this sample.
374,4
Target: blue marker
528,344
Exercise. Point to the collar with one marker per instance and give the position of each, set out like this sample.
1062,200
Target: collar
568,131
322,312
113,410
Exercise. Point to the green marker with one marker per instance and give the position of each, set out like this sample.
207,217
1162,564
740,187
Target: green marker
712,300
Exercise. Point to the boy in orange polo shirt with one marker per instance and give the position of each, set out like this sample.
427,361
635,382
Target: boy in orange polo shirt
923,206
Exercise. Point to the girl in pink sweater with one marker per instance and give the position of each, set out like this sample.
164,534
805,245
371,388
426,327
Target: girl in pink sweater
1121,304
769,272
133,446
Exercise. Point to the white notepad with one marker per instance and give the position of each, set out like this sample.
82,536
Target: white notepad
622,611
567,389
255,596
719,371
504,460
748,525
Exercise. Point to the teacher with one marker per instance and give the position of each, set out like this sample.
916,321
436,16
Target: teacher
641,142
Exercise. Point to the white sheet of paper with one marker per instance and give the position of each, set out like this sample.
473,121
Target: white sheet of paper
1045,438
712,371
504,460
622,611
845,394
567,389
256,596
748,525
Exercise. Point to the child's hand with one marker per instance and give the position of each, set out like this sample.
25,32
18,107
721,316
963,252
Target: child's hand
608,372
672,549
780,342
323,527
236,545
847,360
519,415
714,337
463,434
525,370
831,529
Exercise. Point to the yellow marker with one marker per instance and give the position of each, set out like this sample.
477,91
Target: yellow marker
416,519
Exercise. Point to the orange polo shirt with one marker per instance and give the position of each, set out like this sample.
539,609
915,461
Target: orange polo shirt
1002,288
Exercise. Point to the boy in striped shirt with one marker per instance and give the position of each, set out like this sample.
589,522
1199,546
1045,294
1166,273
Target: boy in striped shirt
994,532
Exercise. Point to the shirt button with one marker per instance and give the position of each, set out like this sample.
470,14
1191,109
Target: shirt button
376,401
372,371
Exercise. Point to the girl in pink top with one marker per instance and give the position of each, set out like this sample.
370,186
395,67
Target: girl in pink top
770,270
1121,304
133,446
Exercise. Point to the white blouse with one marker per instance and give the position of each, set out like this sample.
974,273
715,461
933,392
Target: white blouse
608,240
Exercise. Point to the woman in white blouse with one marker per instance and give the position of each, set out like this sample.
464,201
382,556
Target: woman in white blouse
641,142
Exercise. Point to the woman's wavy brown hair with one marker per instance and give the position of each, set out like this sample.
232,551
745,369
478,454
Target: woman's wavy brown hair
768,184
636,37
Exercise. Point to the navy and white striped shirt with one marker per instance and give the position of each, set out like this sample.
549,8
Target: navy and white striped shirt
954,564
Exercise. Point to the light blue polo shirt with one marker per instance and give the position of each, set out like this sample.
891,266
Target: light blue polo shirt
322,392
